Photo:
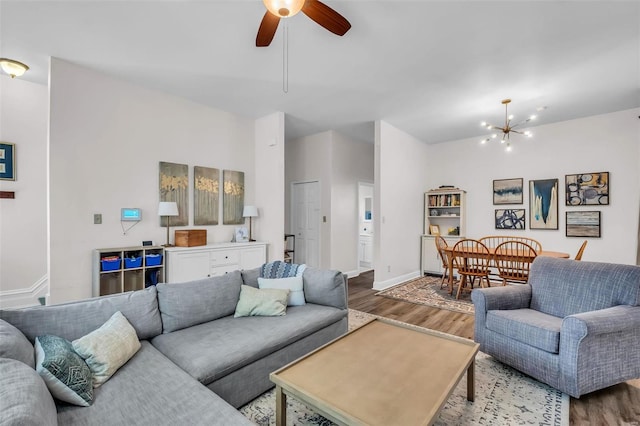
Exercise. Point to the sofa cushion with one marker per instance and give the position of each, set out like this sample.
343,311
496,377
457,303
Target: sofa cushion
185,304
214,349
76,319
261,302
151,390
24,398
325,287
527,326
66,374
556,285
293,284
108,348
15,345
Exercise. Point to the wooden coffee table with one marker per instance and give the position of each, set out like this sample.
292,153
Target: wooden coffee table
383,373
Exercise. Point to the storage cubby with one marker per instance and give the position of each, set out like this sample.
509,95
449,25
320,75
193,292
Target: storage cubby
117,270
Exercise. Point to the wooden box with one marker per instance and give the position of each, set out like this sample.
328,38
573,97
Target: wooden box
191,237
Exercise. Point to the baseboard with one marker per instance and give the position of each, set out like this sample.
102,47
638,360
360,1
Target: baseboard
383,285
25,297
352,274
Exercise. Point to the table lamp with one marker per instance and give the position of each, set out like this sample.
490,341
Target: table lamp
168,209
250,212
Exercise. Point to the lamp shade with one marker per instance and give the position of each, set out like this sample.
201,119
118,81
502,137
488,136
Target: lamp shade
284,8
250,211
168,208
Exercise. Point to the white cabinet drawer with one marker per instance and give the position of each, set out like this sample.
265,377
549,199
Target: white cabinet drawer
221,270
225,257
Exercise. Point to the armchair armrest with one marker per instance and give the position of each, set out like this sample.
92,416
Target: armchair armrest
610,320
502,298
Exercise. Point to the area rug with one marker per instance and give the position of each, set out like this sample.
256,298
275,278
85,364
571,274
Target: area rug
427,291
504,396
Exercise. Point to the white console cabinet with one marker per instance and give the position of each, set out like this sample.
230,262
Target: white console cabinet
193,263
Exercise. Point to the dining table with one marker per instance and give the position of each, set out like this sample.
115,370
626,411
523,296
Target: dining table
492,255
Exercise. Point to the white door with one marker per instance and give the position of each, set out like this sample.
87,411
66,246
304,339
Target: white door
305,201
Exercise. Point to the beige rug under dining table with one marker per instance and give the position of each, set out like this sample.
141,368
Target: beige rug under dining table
383,373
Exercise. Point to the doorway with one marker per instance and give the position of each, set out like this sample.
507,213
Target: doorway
366,236
305,221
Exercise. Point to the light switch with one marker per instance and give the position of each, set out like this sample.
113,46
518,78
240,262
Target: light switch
97,219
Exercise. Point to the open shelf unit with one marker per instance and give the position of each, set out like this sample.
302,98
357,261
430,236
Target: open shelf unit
289,249
122,269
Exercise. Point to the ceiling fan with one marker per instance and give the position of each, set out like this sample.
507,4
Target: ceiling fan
314,9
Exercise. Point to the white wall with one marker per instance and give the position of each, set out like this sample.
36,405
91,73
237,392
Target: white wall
309,159
352,161
23,220
401,163
338,162
106,139
269,185
603,143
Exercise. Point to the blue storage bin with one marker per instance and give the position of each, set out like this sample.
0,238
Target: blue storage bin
110,264
132,262
154,259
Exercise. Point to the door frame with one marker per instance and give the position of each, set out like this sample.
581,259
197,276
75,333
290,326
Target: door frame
362,183
292,213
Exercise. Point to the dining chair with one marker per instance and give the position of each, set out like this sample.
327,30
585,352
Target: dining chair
493,241
581,250
441,244
472,259
513,259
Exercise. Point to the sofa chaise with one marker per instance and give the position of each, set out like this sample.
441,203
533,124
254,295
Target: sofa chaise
196,364
574,326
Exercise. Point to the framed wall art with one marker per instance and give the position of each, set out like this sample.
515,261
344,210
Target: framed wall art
174,180
543,204
587,189
232,197
434,229
7,161
206,195
510,219
583,224
507,191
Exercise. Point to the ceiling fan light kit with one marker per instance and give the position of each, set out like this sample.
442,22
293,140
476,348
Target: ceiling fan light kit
508,128
322,14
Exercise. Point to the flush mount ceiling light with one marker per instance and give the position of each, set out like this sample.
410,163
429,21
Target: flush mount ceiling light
508,128
12,67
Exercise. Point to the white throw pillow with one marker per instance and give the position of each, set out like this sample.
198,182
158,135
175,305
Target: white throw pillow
269,302
108,348
293,284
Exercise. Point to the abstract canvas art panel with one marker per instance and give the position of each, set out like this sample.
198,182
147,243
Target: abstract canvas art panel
510,219
583,224
174,186
206,195
543,204
587,189
507,191
233,197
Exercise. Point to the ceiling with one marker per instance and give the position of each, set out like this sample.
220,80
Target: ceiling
434,69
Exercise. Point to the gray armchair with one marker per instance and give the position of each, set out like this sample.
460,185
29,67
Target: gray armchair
574,326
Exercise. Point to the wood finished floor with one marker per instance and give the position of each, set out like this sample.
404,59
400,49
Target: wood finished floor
616,405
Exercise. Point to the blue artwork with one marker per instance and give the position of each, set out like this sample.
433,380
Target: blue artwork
7,161
507,191
510,219
543,204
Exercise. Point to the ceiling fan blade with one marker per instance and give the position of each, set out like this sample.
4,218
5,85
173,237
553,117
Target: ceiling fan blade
267,29
326,17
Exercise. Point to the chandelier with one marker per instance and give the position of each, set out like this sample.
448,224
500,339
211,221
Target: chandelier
508,128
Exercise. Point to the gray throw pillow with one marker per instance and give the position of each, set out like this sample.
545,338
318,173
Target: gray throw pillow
15,345
265,302
66,374
24,398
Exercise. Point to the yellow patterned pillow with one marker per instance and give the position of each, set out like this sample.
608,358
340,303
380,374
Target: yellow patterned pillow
108,348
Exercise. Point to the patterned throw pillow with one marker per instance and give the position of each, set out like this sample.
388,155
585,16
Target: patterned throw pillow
66,374
108,348
266,302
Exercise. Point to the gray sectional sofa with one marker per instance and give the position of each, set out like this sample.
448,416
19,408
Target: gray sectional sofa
197,363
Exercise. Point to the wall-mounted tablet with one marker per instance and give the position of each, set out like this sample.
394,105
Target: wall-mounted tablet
130,214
